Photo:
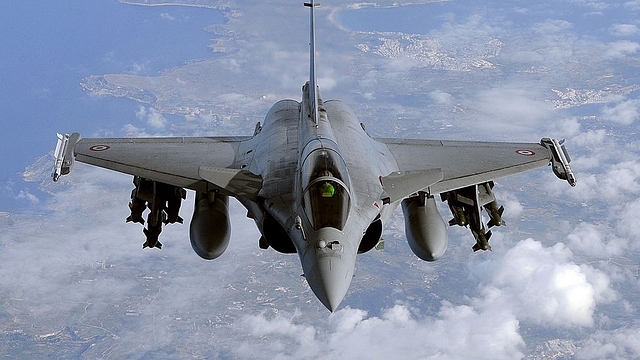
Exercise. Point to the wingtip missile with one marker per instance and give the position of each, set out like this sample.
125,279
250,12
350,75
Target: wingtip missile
64,154
560,160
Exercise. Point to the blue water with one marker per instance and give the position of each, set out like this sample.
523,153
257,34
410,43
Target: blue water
523,15
48,47
410,19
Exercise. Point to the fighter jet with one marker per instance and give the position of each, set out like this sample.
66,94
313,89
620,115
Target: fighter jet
315,183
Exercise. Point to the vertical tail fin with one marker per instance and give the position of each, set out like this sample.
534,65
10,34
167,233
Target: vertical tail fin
313,88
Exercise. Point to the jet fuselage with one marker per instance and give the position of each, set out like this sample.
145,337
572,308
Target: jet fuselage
326,227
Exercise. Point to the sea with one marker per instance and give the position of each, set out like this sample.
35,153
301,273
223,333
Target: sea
49,47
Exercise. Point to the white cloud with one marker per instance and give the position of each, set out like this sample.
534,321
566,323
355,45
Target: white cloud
152,117
138,68
633,4
596,241
130,130
624,30
617,344
400,64
513,207
81,255
530,283
440,97
594,4
327,82
627,220
542,285
621,48
454,333
613,184
487,325
552,26
624,113
167,16
26,195
589,138
510,109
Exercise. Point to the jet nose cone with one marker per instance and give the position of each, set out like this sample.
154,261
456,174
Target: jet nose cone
330,268
334,278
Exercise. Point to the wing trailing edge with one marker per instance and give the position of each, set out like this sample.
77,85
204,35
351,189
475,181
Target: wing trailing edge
238,182
467,163
401,184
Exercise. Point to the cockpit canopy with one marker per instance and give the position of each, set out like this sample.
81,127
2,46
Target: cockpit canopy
326,196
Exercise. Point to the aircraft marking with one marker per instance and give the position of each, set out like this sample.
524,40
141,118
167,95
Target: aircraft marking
525,152
100,147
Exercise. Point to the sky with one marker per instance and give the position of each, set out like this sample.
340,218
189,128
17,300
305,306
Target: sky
564,275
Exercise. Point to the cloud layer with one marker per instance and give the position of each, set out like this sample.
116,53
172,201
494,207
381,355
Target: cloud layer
563,275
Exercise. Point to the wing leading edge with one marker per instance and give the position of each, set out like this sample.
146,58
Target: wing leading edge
467,163
173,160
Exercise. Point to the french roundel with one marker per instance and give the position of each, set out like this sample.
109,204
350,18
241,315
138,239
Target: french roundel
525,152
99,147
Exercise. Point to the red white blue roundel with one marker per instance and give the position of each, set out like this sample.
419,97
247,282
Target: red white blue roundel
525,152
99,147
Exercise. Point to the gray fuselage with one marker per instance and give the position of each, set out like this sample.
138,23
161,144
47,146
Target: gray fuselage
282,148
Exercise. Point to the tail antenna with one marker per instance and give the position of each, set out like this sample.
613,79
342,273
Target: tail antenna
313,89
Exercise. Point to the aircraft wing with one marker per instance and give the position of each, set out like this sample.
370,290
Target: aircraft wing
466,163
177,161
